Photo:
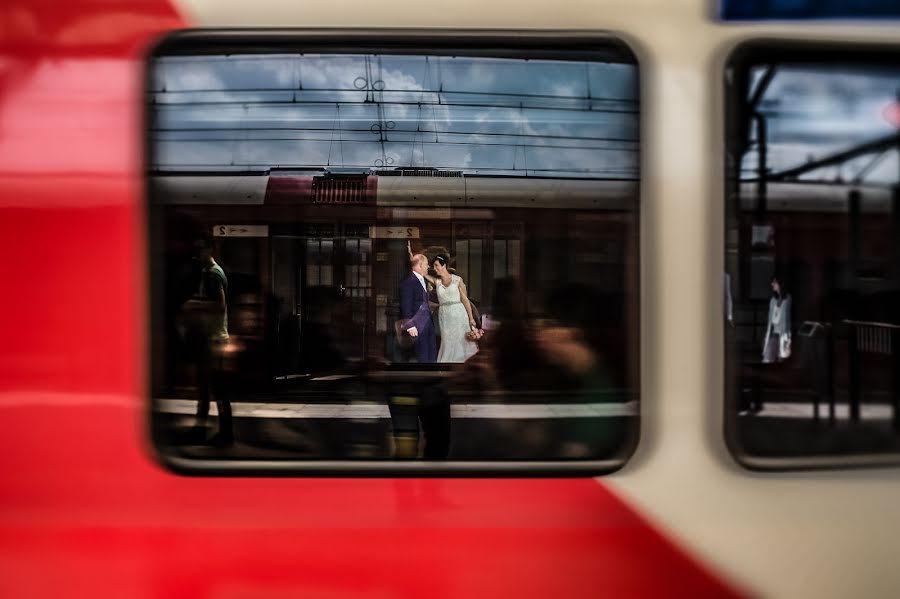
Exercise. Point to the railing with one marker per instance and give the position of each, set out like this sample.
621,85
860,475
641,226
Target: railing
879,338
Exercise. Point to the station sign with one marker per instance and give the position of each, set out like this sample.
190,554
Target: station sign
396,232
808,10
241,231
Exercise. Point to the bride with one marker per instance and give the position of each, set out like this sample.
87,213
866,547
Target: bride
454,313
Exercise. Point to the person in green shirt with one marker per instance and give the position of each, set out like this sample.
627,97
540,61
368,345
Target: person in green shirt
205,323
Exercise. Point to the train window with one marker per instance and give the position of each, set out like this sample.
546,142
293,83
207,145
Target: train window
812,259
393,253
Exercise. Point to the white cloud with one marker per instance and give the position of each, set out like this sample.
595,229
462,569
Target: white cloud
354,112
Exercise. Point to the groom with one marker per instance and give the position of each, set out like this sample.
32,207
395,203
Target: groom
431,407
416,313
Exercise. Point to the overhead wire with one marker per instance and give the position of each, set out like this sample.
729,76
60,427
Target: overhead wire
167,103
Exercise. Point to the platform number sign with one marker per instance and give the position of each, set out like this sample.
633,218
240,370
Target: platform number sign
241,231
394,232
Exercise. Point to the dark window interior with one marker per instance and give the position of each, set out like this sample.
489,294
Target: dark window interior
310,177
813,253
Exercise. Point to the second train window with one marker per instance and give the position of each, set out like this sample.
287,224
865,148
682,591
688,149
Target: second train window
812,282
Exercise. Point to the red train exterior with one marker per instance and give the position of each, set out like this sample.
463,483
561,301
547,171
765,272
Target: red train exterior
87,511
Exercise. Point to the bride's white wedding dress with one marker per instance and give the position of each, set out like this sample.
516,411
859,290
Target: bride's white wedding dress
454,323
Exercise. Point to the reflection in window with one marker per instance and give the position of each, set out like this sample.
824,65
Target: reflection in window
439,255
812,257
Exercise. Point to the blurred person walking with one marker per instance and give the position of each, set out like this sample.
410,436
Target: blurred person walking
205,325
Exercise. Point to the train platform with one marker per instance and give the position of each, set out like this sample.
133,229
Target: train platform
371,410
807,411
367,430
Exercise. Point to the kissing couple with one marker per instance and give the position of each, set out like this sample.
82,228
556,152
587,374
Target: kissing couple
454,313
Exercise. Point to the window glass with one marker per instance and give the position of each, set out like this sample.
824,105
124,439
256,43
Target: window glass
812,263
395,255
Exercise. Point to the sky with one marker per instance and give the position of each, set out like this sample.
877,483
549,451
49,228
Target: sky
478,115
812,112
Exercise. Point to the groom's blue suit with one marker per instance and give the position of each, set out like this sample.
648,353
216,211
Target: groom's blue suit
415,311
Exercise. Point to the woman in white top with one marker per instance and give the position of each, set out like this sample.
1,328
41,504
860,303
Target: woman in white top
776,346
454,314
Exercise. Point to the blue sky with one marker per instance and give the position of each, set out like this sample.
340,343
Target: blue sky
497,116
813,112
